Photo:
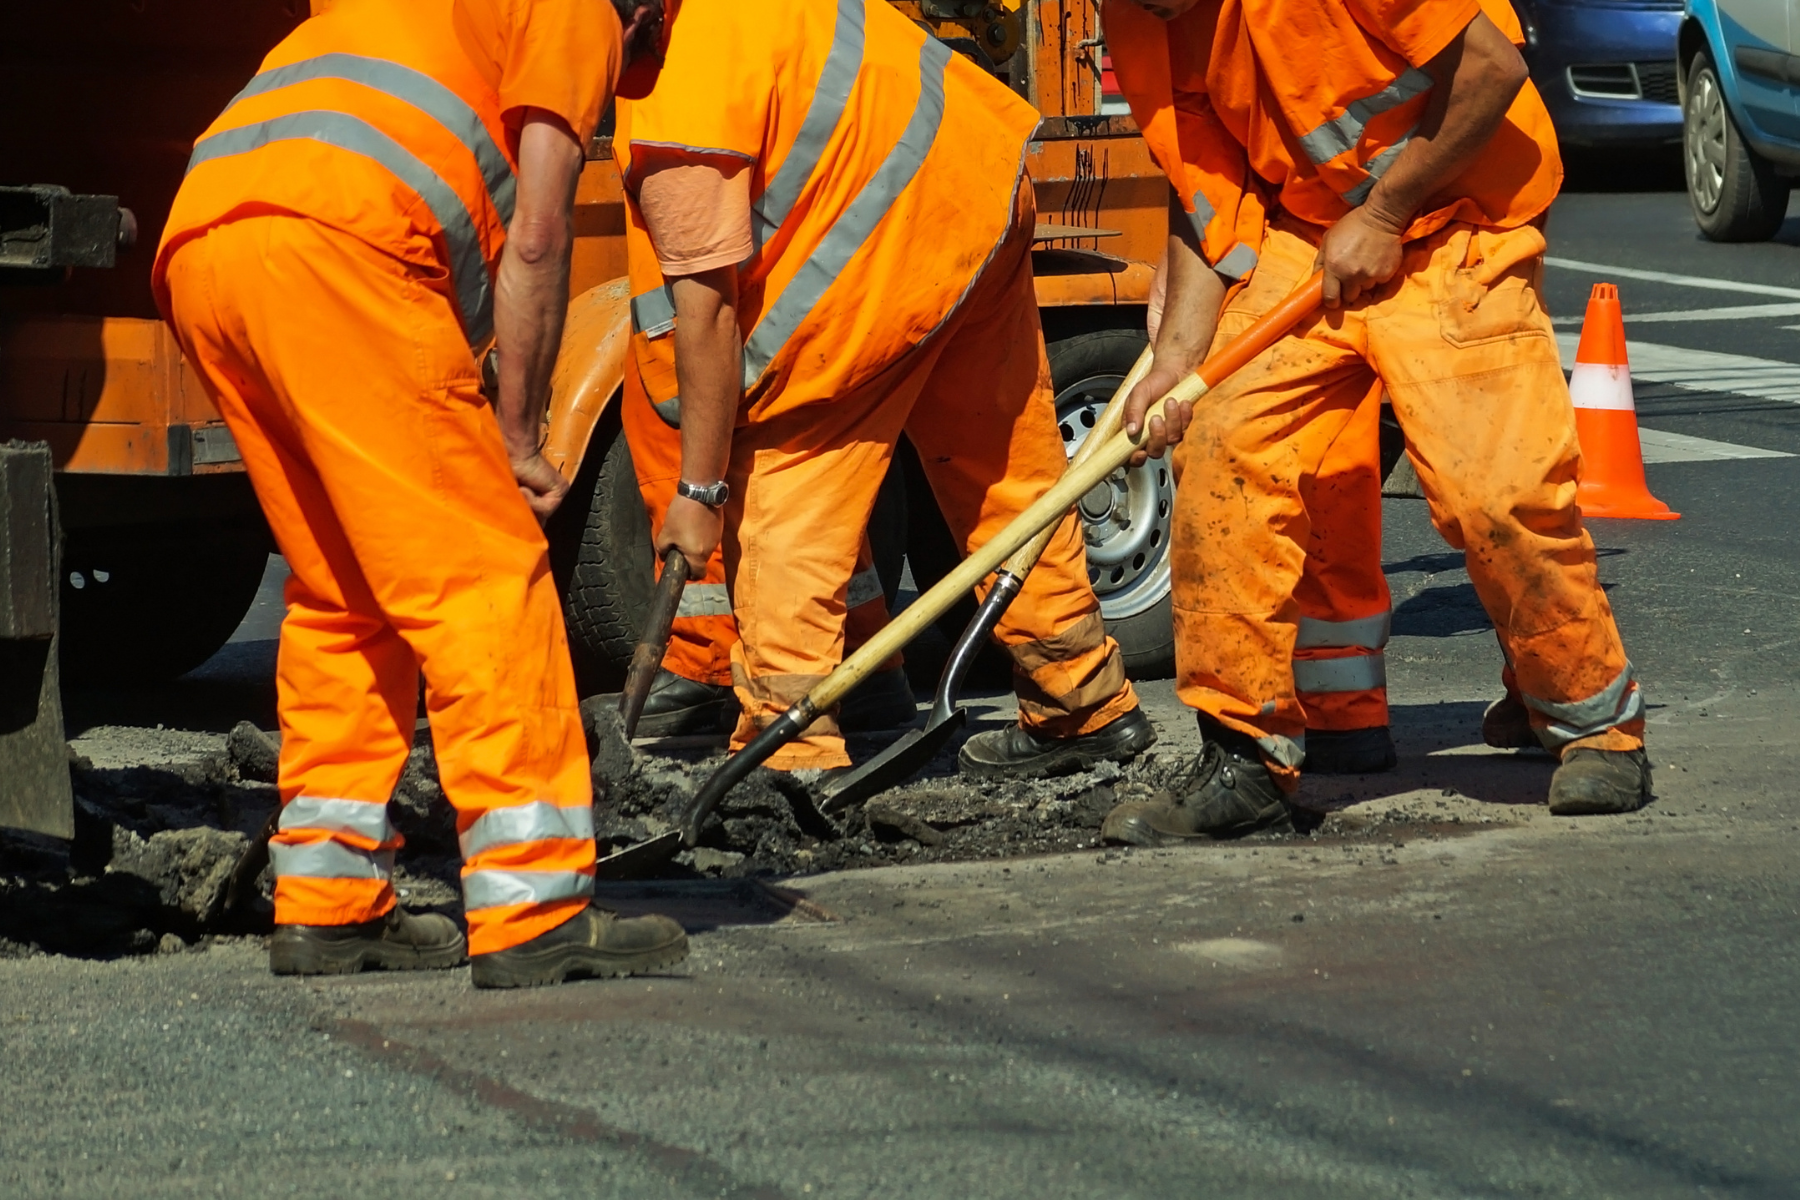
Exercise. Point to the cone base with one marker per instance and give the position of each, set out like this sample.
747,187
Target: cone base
1612,468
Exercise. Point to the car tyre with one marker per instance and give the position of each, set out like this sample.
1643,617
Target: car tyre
1735,192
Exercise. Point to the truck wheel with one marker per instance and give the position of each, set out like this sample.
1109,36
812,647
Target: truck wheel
1127,521
603,560
1735,193
145,603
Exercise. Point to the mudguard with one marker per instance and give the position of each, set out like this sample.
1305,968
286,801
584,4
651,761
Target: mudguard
590,370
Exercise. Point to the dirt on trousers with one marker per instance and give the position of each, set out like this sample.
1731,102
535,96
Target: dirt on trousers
151,868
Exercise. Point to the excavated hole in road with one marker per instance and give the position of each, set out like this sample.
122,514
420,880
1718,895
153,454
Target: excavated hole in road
150,868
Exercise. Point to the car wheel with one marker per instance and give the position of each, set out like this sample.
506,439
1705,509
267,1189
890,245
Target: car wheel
1127,519
1735,193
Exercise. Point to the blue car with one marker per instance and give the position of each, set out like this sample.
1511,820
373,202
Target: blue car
1741,114
1606,69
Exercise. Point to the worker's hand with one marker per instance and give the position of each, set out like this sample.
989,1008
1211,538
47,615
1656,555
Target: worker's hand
1359,254
694,528
541,484
1167,424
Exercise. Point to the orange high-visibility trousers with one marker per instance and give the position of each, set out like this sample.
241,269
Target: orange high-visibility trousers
701,637
355,402
976,402
1470,363
1345,612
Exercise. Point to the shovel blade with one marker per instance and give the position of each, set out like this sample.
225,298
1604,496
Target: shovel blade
641,860
894,765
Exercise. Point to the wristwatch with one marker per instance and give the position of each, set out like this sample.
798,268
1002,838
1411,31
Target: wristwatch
713,495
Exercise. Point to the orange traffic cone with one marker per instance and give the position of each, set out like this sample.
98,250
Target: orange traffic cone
1612,461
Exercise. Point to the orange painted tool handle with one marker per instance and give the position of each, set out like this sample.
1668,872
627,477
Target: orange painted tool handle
1268,329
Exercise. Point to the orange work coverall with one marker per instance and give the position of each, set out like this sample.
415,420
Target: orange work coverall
327,267
890,290
1268,150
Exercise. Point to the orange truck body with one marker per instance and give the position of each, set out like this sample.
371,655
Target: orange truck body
107,98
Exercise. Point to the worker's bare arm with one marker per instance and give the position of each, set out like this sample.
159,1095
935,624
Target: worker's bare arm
1474,81
709,371
1193,294
531,296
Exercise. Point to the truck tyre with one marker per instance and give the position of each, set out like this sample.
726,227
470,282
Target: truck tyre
1128,537
603,560
146,603
1735,193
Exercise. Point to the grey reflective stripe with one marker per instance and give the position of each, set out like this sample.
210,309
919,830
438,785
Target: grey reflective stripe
1615,704
1342,133
1202,215
1378,166
330,860
360,817
468,268
854,225
526,823
1361,673
1238,263
496,889
1371,633
865,586
1289,752
653,313
415,88
843,62
704,600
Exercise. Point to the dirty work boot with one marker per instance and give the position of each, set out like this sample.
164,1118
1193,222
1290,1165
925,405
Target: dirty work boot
1229,794
1506,725
1350,751
595,943
1591,782
678,705
1019,754
882,701
400,941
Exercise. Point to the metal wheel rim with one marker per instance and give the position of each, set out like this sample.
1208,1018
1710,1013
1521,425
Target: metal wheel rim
1703,142
1127,543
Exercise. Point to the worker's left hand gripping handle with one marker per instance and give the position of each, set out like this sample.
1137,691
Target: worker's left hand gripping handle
779,732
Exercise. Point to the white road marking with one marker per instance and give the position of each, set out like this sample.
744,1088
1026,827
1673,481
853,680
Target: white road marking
1661,446
1733,312
1692,281
1703,370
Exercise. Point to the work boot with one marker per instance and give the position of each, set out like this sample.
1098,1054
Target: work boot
1592,782
399,941
1229,794
1350,751
595,943
678,705
882,701
1506,725
1018,753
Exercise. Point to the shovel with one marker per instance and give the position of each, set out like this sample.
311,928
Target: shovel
903,758
1049,508
647,656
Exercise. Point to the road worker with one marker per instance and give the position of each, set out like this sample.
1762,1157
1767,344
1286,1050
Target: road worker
1345,612
1411,158
831,249
393,189
692,690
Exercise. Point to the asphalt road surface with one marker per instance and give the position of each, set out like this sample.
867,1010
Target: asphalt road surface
1483,1000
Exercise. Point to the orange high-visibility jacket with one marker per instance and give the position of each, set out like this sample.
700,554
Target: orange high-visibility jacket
884,170
397,121
1251,106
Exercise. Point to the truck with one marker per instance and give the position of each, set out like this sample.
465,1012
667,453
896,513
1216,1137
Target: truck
165,547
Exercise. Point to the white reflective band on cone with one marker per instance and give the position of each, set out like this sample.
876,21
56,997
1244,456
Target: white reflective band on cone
498,889
1599,385
1361,673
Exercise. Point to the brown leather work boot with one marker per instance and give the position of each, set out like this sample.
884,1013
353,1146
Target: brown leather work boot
400,941
595,943
1595,782
1506,725
1229,794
